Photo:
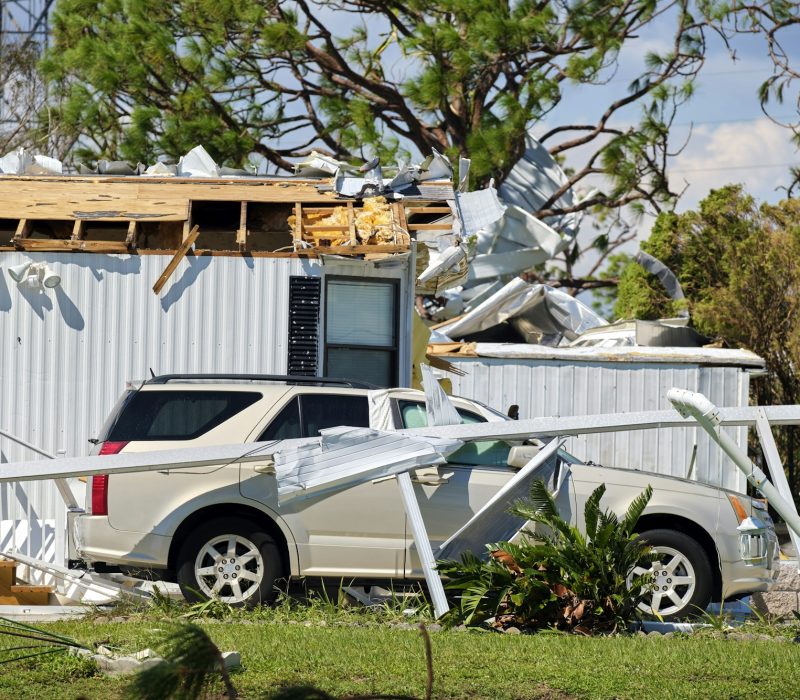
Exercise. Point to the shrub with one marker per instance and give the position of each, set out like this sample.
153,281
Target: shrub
561,579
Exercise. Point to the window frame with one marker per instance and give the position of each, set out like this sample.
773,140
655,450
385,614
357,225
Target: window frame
298,399
393,350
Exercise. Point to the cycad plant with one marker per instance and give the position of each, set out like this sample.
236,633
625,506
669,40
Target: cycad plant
561,577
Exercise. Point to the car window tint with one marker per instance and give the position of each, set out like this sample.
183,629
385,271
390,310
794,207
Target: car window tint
320,411
413,415
285,426
483,453
177,415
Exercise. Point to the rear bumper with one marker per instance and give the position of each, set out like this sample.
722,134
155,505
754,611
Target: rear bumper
120,547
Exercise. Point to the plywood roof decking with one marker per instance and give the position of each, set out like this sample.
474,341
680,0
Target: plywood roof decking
54,213
140,198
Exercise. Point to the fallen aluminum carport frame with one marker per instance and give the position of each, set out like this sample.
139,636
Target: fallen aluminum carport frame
276,456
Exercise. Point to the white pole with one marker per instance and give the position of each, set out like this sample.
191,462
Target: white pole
690,403
440,606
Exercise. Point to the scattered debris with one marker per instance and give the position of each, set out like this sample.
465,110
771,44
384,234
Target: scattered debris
543,314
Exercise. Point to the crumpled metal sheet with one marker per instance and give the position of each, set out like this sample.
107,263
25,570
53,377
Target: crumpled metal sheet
478,210
533,180
22,162
319,165
551,310
445,269
493,522
438,407
198,163
666,276
494,265
345,457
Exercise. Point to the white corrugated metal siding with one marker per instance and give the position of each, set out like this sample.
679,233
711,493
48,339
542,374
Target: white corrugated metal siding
65,354
544,387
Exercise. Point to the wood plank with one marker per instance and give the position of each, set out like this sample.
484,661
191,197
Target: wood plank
241,233
314,228
431,227
187,225
133,232
77,230
297,231
23,230
141,198
60,245
26,595
359,249
427,210
351,224
180,254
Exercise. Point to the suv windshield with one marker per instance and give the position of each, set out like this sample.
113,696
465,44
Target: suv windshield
175,415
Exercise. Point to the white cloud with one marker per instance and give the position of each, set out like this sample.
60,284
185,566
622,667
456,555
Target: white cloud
757,154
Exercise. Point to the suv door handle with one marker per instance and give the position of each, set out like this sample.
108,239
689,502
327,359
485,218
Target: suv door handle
431,478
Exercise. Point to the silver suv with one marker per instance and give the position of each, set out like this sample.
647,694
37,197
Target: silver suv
220,531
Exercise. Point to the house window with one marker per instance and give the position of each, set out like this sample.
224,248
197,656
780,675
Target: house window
361,321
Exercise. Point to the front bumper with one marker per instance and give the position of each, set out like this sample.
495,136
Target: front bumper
120,547
749,573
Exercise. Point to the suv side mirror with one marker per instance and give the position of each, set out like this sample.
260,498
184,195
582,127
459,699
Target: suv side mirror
520,455
513,412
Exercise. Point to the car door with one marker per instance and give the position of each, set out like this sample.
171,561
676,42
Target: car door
356,532
450,494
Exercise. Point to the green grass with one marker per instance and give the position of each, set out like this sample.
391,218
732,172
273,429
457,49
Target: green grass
332,653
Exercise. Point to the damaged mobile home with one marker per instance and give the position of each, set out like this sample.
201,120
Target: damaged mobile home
128,272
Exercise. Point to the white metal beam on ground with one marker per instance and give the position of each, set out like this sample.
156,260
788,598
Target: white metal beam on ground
79,585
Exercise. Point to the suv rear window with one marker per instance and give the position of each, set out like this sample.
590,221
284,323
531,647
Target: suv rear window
176,415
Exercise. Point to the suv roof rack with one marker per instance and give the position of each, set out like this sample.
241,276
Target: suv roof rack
288,378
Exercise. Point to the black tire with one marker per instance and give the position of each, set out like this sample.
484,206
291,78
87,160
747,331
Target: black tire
255,580
692,562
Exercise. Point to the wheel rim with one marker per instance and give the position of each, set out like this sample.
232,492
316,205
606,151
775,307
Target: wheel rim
229,568
674,582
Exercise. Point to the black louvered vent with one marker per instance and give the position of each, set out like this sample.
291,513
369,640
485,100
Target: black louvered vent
304,303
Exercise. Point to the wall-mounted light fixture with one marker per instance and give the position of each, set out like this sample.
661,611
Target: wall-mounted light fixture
34,275
19,272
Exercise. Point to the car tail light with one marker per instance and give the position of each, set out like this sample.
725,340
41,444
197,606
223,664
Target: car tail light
111,448
100,481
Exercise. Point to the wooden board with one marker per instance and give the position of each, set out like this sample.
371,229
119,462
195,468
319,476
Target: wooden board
180,254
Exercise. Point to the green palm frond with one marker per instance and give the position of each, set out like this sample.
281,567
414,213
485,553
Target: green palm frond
539,506
22,641
635,510
191,667
592,510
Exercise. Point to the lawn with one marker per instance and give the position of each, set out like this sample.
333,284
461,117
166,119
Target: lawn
344,657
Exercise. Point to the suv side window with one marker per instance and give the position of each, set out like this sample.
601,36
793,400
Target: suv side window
481,453
176,415
414,415
322,411
306,415
285,426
